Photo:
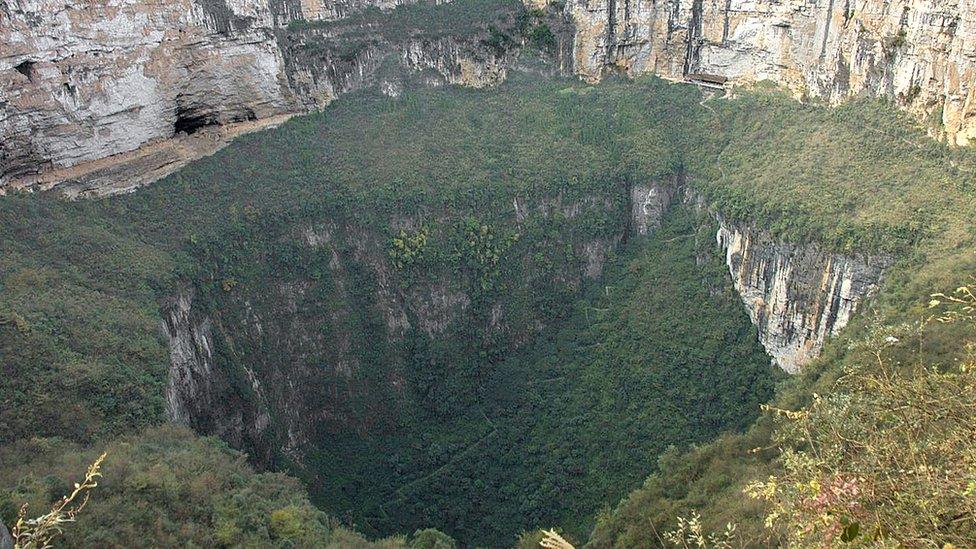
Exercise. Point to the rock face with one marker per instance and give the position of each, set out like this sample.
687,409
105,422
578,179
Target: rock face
649,203
110,79
99,98
83,82
797,295
197,395
275,366
917,52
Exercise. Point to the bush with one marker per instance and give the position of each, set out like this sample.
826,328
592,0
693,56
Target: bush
888,457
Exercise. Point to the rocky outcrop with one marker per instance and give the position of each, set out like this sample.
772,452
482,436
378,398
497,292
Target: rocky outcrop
83,82
102,94
649,203
203,398
797,294
919,53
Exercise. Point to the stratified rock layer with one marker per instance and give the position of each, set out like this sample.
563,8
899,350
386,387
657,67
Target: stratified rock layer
797,295
110,79
921,53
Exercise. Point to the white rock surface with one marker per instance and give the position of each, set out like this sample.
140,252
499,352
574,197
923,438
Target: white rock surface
81,83
796,295
921,53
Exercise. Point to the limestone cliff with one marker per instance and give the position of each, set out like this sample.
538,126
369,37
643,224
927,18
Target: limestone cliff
104,96
919,53
797,294
200,396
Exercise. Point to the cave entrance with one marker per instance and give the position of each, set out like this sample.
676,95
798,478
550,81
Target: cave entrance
28,68
190,120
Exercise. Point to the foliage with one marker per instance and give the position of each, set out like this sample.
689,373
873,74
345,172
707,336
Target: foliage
421,20
859,177
887,459
574,396
541,37
689,533
405,250
40,532
167,487
431,539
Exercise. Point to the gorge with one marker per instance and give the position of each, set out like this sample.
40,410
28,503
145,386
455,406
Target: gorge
493,287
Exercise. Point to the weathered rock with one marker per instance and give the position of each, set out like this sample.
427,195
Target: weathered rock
649,202
86,91
797,294
199,396
6,542
81,83
918,52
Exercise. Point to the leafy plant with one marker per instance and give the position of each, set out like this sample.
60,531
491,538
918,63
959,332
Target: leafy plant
40,532
888,458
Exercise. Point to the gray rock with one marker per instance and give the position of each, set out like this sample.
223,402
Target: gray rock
104,99
6,542
919,54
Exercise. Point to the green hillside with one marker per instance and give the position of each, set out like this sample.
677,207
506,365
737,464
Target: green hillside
544,399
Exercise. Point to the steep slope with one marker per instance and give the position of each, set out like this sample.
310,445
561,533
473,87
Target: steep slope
124,92
370,321
837,177
515,293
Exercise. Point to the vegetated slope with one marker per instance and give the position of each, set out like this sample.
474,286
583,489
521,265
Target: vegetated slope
859,177
81,280
167,487
439,234
417,190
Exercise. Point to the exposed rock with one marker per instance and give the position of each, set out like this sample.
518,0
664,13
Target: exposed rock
6,542
918,52
93,95
649,202
110,76
86,91
797,294
200,397
191,357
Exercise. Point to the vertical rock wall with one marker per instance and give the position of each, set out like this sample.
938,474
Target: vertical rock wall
88,89
797,295
921,53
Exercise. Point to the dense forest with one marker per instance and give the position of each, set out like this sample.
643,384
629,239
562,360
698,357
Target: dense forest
557,390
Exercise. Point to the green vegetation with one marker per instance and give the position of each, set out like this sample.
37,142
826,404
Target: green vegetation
547,398
231,227
167,487
859,177
476,442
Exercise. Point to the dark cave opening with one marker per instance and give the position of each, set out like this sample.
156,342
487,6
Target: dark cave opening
27,68
189,120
